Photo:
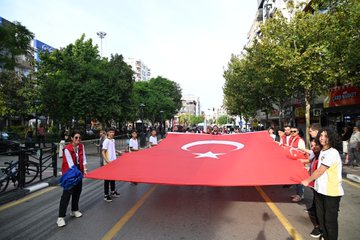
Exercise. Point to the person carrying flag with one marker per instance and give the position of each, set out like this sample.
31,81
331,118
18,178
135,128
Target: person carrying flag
73,156
328,187
109,155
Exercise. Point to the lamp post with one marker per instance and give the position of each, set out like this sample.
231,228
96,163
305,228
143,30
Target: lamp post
142,134
161,124
101,36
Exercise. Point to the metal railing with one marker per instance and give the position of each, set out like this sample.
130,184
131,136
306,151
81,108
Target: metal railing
31,166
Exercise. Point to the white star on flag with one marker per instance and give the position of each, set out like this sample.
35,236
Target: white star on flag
208,154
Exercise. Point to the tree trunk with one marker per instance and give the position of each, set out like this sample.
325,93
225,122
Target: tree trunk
307,115
280,117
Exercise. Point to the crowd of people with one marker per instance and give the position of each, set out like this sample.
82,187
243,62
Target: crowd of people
323,160
73,156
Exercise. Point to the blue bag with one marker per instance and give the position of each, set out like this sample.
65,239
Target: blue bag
71,178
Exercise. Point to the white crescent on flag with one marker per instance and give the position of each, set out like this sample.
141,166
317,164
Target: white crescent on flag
211,142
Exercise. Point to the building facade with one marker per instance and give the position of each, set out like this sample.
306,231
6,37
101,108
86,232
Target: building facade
190,105
141,71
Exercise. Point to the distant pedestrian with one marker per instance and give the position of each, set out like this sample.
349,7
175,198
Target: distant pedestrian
345,137
287,136
29,138
74,155
215,130
100,146
41,134
63,137
297,142
133,146
328,188
153,138
133,143
109,155
208,130
353,147
271,132
280,137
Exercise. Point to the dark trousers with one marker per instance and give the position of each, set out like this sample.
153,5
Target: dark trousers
313,207
106,186
327,209
65,199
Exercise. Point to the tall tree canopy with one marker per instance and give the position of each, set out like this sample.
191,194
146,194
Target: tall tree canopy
158,94
305,56
15,88
77,83
15,40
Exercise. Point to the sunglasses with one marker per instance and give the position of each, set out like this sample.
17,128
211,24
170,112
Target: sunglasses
293,131
77,137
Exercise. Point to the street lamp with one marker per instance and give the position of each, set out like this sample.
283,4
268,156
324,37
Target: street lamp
161,123
101,36
142,135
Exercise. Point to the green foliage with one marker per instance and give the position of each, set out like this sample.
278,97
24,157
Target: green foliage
15,40
158,94
76,83
305,57
195,120
14,93
222,120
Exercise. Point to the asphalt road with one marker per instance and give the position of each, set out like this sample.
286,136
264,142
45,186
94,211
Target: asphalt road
146,212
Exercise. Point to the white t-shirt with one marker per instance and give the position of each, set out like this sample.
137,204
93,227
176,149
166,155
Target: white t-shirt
329,183
153,140
109,146
133,144
287,140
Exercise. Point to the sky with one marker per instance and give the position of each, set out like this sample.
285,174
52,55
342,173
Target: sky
186,41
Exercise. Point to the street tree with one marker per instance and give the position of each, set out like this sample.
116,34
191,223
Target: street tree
224,119
76,83
158,94
15,40
15,46
195,120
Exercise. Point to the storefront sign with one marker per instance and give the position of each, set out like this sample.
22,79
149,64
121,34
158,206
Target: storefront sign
300,112
343,97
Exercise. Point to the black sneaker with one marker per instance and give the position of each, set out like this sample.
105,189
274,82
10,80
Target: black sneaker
115,194
134,183
315,233
107,198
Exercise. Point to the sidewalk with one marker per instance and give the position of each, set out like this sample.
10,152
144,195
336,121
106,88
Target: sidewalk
92,155
351,173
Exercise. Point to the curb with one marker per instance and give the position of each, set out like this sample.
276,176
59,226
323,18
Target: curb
353,177
37,187
350,176
20,193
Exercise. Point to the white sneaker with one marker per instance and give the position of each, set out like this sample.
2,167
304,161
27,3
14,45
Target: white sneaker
60,222
76,214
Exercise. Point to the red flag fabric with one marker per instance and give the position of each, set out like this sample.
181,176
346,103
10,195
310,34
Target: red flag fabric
245,159
295,153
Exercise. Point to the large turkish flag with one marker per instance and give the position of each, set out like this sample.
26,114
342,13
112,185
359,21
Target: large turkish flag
245,159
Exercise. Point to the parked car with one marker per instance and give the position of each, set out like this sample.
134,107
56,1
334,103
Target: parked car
9,143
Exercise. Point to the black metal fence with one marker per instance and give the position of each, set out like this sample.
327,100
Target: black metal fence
32,165
41,159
